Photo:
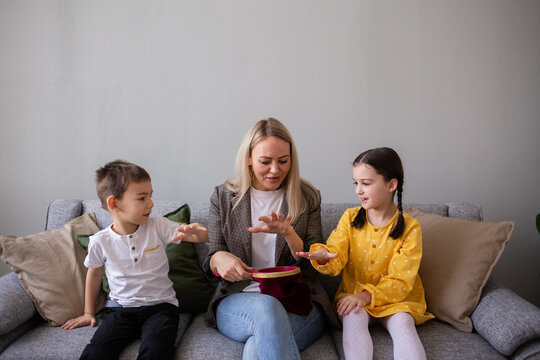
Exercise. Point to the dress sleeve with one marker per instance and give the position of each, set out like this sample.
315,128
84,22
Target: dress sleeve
396,285
338,242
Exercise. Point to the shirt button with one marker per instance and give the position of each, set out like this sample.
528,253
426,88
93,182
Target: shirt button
135,259
130,236
374,246
372,262
133,248
375,230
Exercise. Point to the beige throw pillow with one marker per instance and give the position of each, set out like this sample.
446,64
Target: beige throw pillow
458,256
50,267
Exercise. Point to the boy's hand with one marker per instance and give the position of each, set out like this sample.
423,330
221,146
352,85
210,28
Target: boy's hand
320,255
83,320
353,303
194,232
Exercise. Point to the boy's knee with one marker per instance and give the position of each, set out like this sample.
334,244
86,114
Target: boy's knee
156,349
95,351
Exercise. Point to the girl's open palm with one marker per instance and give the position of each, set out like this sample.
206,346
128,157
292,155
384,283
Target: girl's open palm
320,255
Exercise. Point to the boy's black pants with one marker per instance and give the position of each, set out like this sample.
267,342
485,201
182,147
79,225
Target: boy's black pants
155,325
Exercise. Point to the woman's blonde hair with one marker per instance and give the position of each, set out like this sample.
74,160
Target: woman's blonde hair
300,194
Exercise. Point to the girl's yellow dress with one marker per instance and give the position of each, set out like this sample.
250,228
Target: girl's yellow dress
371,260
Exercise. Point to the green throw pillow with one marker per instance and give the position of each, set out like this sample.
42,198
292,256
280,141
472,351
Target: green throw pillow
192,289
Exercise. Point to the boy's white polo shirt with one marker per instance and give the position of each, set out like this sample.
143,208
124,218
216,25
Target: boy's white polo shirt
136,265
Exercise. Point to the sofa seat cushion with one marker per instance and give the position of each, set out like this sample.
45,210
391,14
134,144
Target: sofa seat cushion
55,343
195,345
203,343
441,341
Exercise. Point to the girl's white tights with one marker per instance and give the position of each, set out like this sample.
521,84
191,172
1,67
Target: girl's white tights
357,343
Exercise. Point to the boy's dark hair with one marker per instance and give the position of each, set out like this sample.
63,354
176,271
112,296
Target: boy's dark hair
114,178
387,163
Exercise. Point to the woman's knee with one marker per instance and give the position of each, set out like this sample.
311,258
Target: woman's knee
266,304
240,316
252,306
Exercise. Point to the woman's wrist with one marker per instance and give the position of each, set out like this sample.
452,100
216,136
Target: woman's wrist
213,266
287,231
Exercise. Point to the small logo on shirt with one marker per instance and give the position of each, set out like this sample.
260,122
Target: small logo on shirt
152,249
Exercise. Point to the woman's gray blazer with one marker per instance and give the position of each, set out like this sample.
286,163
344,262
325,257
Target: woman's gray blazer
228,232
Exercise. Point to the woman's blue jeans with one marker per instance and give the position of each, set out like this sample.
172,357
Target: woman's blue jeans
266,328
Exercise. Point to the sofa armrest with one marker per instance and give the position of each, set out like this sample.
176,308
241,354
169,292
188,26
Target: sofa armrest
16,307
504,319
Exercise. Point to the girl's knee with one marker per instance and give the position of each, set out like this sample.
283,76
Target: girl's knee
362,316
403,318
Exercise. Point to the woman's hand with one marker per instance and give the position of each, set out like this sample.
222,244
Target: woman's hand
230,267
353,303
194,233
83,320
322,256
279,224
275,224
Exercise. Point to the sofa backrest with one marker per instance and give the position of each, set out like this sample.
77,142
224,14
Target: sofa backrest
62,211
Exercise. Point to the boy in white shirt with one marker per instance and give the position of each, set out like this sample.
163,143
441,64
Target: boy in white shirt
132,253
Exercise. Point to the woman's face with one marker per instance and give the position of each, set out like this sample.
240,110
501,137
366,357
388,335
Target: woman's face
270,162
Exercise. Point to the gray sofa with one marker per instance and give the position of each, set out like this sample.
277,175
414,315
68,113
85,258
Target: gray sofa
506,326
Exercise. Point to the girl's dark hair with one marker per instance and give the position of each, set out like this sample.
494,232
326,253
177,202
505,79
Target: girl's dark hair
387,163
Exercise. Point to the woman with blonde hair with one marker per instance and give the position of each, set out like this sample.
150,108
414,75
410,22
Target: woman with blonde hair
261,218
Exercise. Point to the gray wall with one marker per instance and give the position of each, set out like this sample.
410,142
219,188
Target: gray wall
453,86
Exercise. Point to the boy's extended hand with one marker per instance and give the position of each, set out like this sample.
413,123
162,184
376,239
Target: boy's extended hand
320,255
83,320
194,232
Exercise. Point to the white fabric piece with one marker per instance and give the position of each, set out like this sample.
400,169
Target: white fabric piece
136,265
263,245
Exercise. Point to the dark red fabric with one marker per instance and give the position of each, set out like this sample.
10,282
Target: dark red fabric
289,290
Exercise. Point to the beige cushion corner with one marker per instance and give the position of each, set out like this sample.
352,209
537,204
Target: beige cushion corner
50,267
458,257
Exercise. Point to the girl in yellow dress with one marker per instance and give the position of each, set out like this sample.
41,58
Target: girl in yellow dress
378,247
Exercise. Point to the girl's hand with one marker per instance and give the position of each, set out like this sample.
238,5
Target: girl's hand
230,267
83,320
353,303
322,256
275,224
194,232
